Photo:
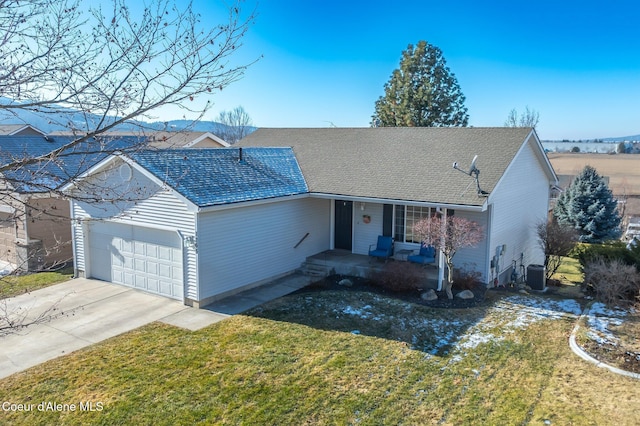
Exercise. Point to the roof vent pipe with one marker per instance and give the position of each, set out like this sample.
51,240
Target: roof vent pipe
240,155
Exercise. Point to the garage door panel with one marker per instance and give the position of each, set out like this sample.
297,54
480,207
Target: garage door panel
127,279
177,272
139,248
126,247
140,265
151,250
142,258
165,253
152,268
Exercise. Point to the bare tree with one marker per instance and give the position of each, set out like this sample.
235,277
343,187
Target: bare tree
556,241
448,234
237,124
91,69
529,118
111,66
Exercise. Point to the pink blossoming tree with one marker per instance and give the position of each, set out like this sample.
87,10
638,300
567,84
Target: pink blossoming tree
448,235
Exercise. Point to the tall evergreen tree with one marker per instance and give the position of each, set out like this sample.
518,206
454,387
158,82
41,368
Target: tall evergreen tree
423,92
589,207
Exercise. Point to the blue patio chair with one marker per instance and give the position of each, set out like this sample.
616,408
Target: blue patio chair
383,249
426,255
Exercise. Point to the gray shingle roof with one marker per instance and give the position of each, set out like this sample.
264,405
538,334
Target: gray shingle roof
51,174
398,163
214,176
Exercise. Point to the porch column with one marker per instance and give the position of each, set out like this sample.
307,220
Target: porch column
441,262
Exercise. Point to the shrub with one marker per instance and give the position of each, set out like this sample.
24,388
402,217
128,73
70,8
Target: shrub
611,281
586,253
556,241
466,279
399,277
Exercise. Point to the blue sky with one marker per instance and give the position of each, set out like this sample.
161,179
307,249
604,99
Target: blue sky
325,63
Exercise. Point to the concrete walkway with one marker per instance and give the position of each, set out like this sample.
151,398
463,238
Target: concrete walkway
89,311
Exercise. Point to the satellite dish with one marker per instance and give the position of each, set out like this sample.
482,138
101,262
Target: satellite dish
474,173
473,164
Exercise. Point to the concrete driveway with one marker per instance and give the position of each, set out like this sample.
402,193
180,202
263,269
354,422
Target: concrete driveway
86,312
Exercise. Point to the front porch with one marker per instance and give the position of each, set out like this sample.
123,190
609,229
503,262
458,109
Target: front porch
344,262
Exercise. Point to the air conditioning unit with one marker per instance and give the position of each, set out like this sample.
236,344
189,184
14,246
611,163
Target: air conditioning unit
536,277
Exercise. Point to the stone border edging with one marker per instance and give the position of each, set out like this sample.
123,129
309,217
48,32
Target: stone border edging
585,356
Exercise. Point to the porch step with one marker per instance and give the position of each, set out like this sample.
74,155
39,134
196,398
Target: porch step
312,269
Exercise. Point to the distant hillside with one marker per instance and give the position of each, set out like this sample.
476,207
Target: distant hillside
54,122
623,139
632,138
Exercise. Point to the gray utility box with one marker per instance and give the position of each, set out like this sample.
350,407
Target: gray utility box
536,277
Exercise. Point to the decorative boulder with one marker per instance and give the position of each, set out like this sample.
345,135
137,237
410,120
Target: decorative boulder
429,295
345,282
465,294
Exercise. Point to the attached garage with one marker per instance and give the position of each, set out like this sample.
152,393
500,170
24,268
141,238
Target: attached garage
144,258
192,224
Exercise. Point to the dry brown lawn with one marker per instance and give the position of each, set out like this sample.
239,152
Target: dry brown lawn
623,171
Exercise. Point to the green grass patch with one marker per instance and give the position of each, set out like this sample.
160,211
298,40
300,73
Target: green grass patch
333,358
569,271
14,285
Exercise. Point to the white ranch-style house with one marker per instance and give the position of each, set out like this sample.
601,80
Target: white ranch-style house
199,225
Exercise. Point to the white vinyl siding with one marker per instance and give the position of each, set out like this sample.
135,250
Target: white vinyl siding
474,258
519,202
366,234
241,246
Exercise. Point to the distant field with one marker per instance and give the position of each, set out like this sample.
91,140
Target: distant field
623,171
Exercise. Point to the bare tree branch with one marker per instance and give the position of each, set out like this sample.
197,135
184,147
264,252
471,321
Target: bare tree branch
112,66
90,69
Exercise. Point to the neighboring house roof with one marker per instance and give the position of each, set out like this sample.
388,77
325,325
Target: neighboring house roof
52,173
401,163
185,140
166,139
217,176
19,129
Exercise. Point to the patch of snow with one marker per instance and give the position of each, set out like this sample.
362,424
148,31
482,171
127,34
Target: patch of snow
476,339
601,309
515,313
549,306
364,312
600,321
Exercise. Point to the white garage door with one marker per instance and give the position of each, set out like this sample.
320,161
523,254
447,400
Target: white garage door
144,258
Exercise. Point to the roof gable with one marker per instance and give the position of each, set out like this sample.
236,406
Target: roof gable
216,176
399,163
20,130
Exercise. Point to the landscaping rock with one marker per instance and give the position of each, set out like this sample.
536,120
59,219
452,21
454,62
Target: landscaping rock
345,282
429,295
465,294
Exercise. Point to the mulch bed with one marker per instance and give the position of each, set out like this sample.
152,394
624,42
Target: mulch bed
413,296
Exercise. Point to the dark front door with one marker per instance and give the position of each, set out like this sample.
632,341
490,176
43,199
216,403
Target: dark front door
344,224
